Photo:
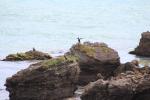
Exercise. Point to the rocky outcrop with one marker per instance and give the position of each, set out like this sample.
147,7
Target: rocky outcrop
143,48
29,55
94,64
95,59
52,79
130,85
129,66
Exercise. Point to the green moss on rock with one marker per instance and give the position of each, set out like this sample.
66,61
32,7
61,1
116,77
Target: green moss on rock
29,55
88,50
91,50
58,61
105,49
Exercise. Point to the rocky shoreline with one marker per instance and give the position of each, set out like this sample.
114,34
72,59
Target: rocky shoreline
94,66
132,84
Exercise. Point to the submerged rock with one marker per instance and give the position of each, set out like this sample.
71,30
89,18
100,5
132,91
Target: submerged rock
52,79
143,48
29,55
95,58
130,85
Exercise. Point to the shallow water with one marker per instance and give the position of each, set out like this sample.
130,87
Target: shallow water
53,25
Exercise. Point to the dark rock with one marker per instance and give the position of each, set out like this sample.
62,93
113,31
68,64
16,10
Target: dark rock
132,67
126,86
29,55
52,79
100,76
129,66
95,58
135,62
143,48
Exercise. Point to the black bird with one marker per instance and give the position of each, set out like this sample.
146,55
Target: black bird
34,49
79,40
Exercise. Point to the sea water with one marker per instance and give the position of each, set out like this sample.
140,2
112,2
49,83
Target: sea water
52,26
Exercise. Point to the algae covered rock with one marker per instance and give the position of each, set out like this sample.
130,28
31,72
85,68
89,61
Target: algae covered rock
143,48
29,55
126,86
52,79
95,58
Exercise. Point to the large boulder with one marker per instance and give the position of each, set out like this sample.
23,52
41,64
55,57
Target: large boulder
143,48
95,59
53,79
29,55
126,86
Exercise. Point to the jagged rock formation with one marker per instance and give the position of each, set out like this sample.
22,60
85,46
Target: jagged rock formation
128,85
143,48
93,63
29,55
52,79
128,66
95,59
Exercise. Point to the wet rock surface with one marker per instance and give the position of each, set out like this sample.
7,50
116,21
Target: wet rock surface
53,79
95,58
143,48
128,85
29,55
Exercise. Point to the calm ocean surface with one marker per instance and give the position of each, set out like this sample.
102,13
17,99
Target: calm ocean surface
53,25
